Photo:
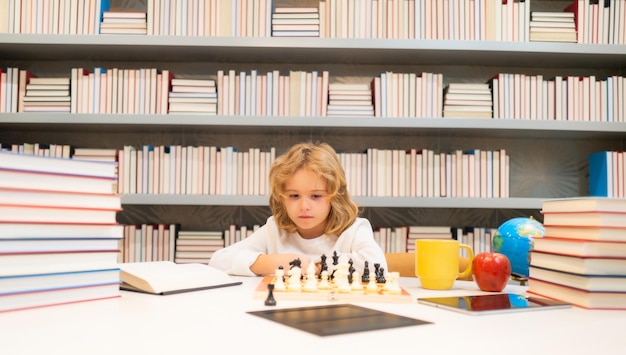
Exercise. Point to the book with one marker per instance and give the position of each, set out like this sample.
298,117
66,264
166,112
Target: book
41,245
579,247
166,277
579,265
41,282
38,180
584,204
24,162
605,283
12,264
601,173
55,297
15,197
578,297
59,230
597,219
586,232
34,214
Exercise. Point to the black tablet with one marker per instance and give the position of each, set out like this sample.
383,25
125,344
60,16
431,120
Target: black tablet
493,303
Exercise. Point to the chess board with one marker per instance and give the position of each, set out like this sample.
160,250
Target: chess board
333,294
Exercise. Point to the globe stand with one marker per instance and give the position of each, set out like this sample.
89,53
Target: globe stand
522,280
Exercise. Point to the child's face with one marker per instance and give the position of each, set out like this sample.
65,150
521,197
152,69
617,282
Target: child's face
307,202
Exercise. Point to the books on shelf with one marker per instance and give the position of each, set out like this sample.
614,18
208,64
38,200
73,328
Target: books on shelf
295,21
607,171
472,100
166,277
345,99
124,22
149,242
553,27
198,246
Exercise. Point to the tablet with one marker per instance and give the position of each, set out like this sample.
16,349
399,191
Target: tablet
493,303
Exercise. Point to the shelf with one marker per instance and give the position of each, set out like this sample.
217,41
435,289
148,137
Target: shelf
310,50
440,126
391,202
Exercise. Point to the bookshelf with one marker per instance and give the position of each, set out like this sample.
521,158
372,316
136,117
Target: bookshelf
548,158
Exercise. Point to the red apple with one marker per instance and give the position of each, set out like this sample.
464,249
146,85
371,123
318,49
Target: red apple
491,271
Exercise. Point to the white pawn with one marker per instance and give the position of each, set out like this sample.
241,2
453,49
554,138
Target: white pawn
356,284
324,284
311,281
372,286
391,283
279,284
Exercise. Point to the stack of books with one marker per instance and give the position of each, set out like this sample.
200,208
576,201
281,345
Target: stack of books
124,22
197,246
295,21
197,96
47,95
350,100
552,27
471,100
582,257
59,239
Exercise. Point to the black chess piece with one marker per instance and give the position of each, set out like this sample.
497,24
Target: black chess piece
351,270
295,262
380,276
366,273
335,263
323,266
270,300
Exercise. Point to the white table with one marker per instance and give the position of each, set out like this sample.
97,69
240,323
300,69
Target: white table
215,320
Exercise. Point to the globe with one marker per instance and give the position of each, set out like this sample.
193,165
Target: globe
515,239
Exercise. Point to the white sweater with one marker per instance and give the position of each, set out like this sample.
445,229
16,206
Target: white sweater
356,243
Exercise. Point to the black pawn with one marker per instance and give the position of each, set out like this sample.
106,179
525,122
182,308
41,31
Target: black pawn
270,300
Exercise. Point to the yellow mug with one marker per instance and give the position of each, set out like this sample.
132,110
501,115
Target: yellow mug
437,262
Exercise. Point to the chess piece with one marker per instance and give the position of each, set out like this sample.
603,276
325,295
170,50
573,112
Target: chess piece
324,284
270,300
350,270
366,273
392,284
335,263
380,278
295,279
356,284
323,265
371,285
279,279
310,284
341,277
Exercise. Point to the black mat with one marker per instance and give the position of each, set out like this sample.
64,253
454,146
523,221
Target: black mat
336,319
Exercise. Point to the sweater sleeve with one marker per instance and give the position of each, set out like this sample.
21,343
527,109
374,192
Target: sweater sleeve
237,258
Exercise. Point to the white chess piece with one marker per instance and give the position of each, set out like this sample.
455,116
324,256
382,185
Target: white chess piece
356,284
372,286
279,284
392,285
311,281
324,284
295,276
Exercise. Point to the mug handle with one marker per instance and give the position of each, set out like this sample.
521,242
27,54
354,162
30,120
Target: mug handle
468,269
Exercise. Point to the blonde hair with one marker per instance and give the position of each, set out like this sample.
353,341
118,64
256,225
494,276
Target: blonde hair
322,159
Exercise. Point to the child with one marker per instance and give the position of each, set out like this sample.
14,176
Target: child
312,215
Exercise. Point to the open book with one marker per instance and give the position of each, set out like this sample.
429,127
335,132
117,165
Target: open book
166,277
